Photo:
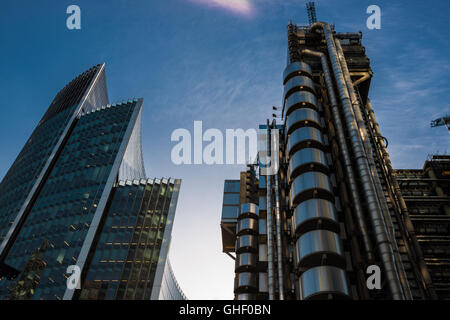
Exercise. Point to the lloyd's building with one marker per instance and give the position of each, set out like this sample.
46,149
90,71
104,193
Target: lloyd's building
335,211
77,200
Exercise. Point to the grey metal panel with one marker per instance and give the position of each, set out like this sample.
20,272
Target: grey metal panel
247,242
300,99
296,67
299,83
315,183
308,214
94,225
311,158
312,247
299,116
263,252
320,282
303,135
100,74
263,282
247,225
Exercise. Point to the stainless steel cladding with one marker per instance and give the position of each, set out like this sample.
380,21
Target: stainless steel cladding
302,118
296,68
384,246
246,296
247,242
246,262
247,225
323,282
312,213
298,83
319,247
300,99
309,159
246,282
310,185
304,137
249,209
344,151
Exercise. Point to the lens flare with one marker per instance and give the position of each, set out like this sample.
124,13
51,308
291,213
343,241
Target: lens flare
242,7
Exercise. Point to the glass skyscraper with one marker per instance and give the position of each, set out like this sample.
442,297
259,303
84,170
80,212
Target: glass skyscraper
77,195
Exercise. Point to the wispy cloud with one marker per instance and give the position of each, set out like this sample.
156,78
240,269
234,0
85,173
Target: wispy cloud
229,94
410,93
241,7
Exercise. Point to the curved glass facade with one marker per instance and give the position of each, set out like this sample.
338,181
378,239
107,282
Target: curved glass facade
130,244
63,212
170,289
63,206
28,171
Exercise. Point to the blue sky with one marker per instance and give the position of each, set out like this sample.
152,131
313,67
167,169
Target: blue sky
222,64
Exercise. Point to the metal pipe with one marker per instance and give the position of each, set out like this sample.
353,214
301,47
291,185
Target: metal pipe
269,219
373,169
362,79
381,234
278,233
345,154
426,277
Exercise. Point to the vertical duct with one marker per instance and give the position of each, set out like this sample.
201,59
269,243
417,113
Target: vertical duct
378,187
269,218
278,233
381,235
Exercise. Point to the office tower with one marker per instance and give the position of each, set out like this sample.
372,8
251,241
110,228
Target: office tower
76,203
321,223
427,195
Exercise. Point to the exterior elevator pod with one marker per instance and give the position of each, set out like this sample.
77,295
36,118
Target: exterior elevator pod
246,278
308,181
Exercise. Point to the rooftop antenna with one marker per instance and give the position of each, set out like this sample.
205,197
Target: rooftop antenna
311,9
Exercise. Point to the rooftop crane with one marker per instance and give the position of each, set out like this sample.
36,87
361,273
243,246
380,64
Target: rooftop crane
311,8
443,121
